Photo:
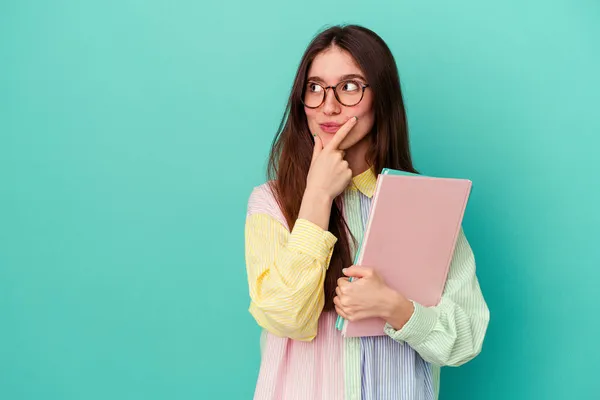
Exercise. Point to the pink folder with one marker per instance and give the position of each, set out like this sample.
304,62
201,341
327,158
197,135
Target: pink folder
410,238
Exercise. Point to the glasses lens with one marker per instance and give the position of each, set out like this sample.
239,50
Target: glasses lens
313,94
349,92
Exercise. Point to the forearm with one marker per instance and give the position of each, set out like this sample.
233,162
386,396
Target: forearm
290,309
286,272
316,208
396,309
445,335
452,332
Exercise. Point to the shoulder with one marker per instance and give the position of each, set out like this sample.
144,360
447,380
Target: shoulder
262,201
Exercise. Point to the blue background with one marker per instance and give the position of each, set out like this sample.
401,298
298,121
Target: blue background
132,132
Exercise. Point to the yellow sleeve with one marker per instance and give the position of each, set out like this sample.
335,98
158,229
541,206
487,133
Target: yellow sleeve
286,271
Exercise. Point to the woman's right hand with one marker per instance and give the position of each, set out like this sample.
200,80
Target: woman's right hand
328,176
329,173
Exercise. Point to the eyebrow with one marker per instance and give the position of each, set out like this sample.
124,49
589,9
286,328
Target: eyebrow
342,78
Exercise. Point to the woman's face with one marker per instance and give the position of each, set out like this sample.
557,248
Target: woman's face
330,67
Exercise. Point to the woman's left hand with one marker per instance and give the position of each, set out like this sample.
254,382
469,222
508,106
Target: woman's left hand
368,296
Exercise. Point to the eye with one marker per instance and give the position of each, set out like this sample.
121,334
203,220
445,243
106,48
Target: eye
350,86
314,87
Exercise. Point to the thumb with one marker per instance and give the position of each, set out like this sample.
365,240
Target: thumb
357,271
318,148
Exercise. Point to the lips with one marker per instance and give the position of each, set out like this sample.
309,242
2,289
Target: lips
330,127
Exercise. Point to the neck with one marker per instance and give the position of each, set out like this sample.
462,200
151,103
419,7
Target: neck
356,157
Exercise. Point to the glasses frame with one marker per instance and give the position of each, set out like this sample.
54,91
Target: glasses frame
363,86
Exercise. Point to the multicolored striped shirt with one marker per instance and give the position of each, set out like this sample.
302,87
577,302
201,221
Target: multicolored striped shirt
305,357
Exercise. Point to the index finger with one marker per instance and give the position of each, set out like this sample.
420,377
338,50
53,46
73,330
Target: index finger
343,281
341,134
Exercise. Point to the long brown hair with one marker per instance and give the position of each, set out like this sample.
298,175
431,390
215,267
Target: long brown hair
292,147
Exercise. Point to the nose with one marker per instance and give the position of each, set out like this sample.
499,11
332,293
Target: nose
331,105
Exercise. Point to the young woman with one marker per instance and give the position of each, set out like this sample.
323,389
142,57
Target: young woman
345,122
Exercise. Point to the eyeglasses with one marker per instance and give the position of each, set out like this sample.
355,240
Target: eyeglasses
348,93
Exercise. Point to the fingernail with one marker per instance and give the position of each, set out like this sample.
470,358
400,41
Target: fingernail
344,270
356,118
